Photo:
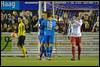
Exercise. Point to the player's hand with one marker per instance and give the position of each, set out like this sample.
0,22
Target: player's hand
35,26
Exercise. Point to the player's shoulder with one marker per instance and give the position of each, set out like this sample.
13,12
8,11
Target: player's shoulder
21,24
40,19
45,20
53,20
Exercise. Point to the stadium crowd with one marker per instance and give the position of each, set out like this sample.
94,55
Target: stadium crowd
9,20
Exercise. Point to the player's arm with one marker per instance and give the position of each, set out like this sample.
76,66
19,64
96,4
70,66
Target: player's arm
37,24
55,25
77,22
23,28
69,31
19,30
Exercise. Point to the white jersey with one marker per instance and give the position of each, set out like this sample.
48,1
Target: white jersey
75,28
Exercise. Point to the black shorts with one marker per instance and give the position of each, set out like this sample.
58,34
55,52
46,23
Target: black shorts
21,40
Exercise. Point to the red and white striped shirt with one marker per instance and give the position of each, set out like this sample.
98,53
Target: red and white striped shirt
75,28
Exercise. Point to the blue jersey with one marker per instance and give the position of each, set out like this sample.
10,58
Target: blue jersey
41,28
49,27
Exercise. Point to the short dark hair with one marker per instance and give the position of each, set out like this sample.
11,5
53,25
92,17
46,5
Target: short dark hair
49,13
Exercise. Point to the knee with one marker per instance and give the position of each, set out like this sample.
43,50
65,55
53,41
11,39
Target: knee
79,46
73,46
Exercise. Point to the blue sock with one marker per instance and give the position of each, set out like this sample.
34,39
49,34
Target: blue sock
41,50
45,52
51,51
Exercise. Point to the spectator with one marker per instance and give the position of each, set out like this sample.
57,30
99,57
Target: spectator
13,19
96,26
9,19
15,16
34,22
5,27
2,16
60,24
93,19
25,20
86,24
66,23
29,18
9,28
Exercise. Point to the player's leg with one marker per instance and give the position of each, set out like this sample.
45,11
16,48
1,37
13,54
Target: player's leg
45,53
39,45
47,50
41,50
47,46
50,51
22,46
42,47
18,44
24,51
44,44
50,46
73,42
79,51
73,52
51,41
79,47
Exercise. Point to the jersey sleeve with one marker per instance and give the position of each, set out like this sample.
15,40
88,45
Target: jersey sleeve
19,31
54,24
40,23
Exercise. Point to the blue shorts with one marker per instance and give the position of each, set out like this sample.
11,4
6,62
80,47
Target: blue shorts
41,38
49,39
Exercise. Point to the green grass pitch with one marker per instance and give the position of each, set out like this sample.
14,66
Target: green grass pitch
56,61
